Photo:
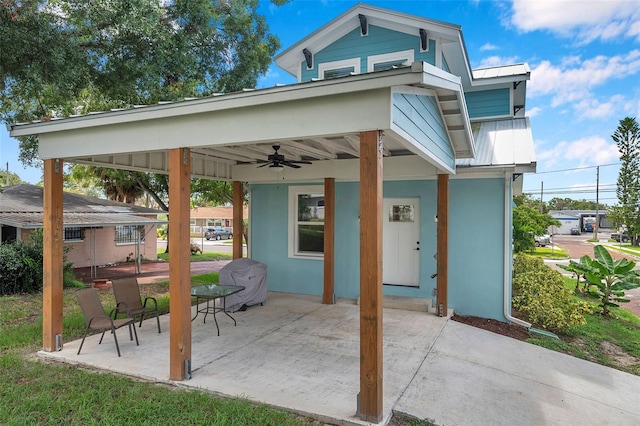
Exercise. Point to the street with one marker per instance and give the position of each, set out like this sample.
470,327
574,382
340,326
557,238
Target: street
223,246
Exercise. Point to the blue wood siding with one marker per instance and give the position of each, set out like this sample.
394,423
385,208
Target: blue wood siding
419,116
476,232
488,103
378,41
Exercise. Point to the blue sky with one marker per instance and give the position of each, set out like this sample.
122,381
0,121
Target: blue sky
585,75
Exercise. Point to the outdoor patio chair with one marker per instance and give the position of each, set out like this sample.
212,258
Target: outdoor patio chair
97,319
128,300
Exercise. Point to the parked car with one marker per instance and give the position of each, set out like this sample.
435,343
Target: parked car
616,237
542,240
217,234
575,231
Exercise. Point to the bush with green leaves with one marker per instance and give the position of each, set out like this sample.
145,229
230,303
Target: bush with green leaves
21,266
539,293
608,279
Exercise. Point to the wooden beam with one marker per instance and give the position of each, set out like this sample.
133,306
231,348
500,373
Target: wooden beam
371,276
179,263
238,220
52,246
442,245
329,238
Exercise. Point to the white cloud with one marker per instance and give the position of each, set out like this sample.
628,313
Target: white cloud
497,61
488,46
582,20
533,111
592,108
573,79
588,151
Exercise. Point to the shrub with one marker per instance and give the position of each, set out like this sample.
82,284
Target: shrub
539,293
21,266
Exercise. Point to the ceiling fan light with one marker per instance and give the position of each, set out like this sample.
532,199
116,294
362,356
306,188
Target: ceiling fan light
276,168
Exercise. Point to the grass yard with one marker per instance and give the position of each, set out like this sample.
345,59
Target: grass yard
623,248
199,256
36,392
614,341
550,253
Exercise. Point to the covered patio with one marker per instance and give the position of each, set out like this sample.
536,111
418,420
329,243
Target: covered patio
293,353
348,128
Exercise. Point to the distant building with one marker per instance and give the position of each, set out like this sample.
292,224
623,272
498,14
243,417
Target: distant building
209,217
580,219
98,231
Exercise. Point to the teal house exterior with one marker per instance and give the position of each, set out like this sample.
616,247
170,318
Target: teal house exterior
385,173
469,124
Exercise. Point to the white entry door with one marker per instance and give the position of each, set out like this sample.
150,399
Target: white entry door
401,241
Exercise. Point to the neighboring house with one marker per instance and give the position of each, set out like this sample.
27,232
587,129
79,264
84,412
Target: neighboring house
97,231
210,217
407,162
570,219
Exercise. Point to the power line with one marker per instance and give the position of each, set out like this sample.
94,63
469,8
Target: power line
577,168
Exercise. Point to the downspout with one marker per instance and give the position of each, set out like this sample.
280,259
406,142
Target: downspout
508,256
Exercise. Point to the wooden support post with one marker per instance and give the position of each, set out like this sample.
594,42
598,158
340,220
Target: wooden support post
329,238
238,220
52,244
370,407
179,263
443,245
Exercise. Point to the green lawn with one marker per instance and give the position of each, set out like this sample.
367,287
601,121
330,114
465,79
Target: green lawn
44,393
613,341
550,253
200,256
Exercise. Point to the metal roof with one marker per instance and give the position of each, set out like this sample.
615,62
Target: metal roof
503,143
502,71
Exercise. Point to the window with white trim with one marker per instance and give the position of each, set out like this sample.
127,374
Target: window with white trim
390,60
337,69
306,221
129,234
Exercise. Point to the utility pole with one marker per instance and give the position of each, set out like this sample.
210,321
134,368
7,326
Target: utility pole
541,195
597,225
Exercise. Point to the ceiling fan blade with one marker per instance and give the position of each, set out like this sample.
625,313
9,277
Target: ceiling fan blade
299,162
290,164
265,164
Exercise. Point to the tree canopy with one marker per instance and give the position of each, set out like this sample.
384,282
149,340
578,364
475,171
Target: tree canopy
528,222
63,57
627,212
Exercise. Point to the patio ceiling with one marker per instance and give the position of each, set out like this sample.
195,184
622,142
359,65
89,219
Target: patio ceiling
230,135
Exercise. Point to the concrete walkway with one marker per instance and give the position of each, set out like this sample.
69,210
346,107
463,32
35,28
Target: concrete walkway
297,354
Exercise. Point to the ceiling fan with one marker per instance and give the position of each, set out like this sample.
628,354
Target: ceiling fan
275,161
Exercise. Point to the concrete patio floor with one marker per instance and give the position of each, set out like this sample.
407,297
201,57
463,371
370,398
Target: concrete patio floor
297,354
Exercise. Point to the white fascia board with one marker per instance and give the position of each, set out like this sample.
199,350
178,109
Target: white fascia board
499,82
408,167
301,91
297,119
